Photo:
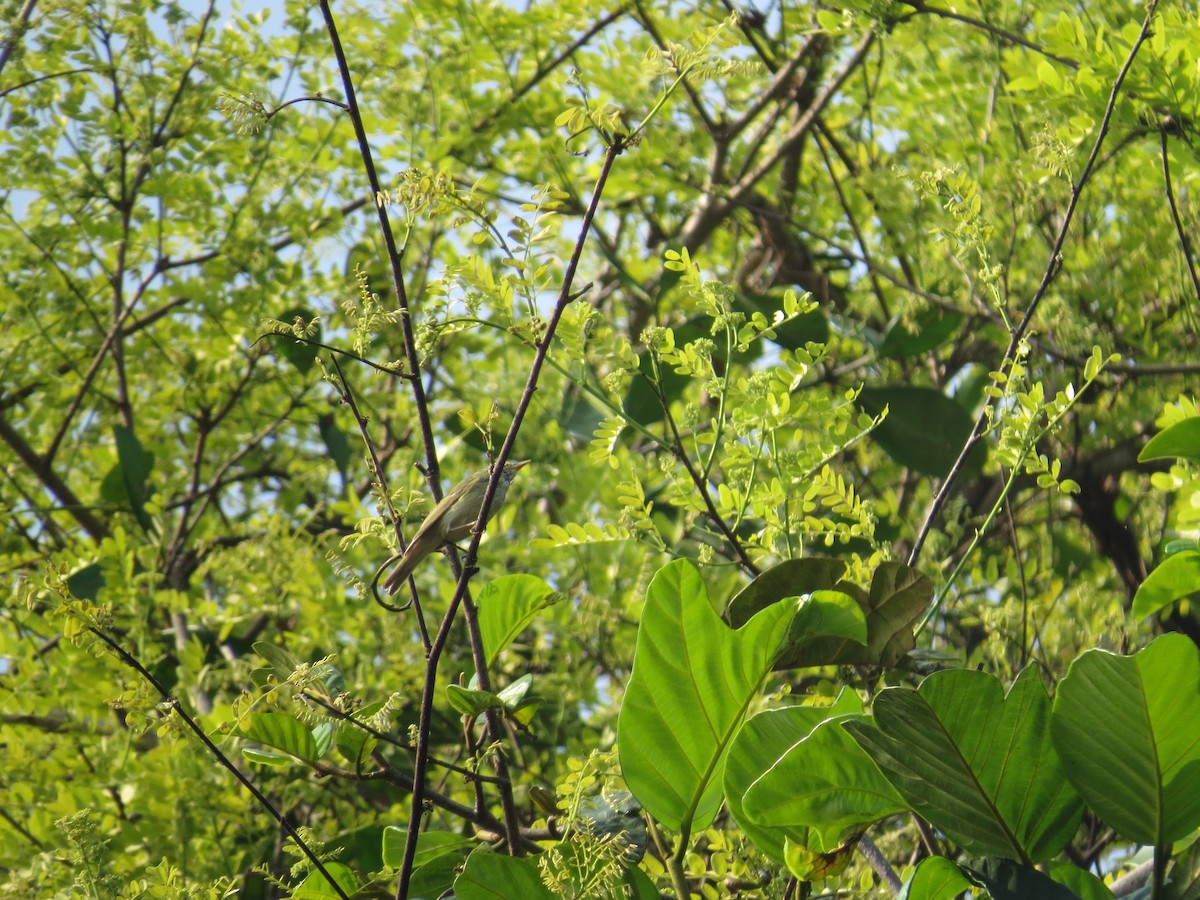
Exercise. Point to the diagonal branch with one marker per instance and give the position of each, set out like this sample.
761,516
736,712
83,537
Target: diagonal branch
175,706
712,210
1053,267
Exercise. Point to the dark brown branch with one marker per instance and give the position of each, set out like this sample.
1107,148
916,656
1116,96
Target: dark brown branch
45,473
175,706
711,211
919,6
420,764
1184,243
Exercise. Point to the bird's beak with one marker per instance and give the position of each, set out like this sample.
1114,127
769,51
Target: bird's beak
519,463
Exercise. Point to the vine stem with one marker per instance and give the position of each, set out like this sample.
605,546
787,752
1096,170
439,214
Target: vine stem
1053,267
421,759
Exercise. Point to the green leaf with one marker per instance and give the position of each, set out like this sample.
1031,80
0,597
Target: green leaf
897,598
977,765
283,662
356,743
489,876
1184,874
826,783
933,326
641,402
125,484
924,429
692,681
506,607
513,695
430,845
283,733
268,757
1080,881
472,702
1005,879
1179,441
359,847
1176,578
811,865
300,354
935,878
759,744
1128,731
86,583
336,443
436,877
317,887
640,886
322,734
791,578
828,614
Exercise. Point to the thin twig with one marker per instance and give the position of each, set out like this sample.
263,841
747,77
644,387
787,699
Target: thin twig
420,763
1010,36
1053,267
130,660
393,254
1184,243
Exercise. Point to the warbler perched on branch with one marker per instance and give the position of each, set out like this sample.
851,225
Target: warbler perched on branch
452,520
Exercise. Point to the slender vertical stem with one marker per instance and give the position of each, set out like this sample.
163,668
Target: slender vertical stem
421,760
411,358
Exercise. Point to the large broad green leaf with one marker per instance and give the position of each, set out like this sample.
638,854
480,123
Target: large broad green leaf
639,885
126,484
1080,881
506,607
283,732
436,878
692,681
935,878
977,765
931,329
492,876
823,782
1005,879
1180,441
897,597
759,744
430,845
791,578
1175,578
924,430
317,887
1128,731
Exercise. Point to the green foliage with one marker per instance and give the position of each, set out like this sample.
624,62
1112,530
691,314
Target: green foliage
836,336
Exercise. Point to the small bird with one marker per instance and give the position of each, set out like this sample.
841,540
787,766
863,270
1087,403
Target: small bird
452,520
